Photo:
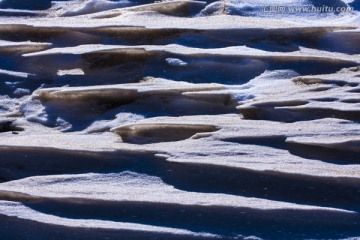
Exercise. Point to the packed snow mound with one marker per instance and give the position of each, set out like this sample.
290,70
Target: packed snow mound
280,9
81,7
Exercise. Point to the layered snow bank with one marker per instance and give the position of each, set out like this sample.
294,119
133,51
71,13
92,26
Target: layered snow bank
177,120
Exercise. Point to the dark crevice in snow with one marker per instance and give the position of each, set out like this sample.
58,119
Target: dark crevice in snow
9,126
10,228
274,224
323,153
289,115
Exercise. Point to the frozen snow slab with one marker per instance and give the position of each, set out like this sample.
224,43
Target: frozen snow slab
231,146
240,51
157,21
306,97
134,187
172,8
77,8
23,212
15,74
25,47
149,86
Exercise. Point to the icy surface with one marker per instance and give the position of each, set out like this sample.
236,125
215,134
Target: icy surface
179,119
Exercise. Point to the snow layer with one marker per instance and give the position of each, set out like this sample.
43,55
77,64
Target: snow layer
179,120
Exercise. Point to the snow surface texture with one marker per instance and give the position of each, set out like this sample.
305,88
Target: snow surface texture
179,119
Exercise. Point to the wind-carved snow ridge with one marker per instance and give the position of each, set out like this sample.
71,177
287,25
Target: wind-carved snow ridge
179,119
80,7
